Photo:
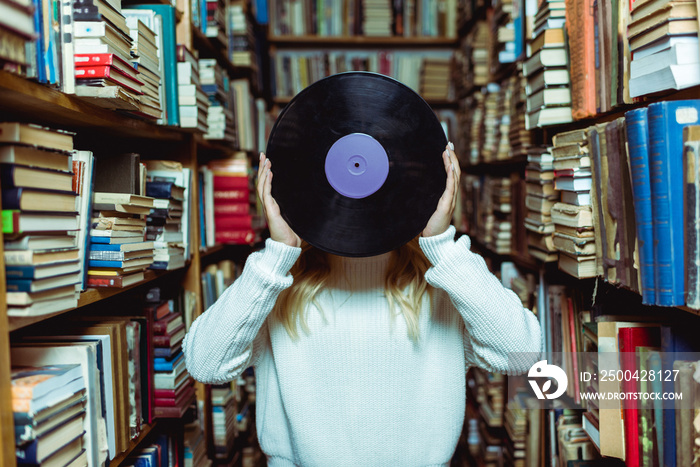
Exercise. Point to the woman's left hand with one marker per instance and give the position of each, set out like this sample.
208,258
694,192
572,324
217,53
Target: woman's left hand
442,217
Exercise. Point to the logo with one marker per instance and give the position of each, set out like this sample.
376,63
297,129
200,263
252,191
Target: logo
542,370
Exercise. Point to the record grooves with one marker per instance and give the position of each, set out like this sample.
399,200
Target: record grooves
365,197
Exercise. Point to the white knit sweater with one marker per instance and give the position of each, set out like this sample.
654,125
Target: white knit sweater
357,391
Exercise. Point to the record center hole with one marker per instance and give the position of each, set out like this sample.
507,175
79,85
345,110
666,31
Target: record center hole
357,164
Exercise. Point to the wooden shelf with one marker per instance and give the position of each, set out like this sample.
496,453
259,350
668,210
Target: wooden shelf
361,41
145,431
33,102
86,298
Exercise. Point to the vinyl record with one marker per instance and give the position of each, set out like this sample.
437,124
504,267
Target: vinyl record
357,163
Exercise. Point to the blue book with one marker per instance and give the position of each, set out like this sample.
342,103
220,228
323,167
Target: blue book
666,122
169,57
98,263
202,222
261,11
159,189
638,143
97,246
164,364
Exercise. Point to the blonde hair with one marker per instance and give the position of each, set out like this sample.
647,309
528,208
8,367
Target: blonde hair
404,286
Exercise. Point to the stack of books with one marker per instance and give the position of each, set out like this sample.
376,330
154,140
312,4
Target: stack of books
100,28
520,138
489,138
476,70
108,70
548,91
376,18
220,117
216,21
242,38
163,451
540,197
501,123
164,223
174,387
194,103
195,446
471,116
499,228
515,423
118,252
435,79
16,34
181,178
574,235
233,222
48,404
145,58
503,33
663,39
43,255
223,412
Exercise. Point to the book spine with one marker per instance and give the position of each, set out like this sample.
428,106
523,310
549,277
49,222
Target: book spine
11,198
92,71
107,255
104,281
19,285
666,120
161,341
104,264
19,272
82,60
692,223
162,190
580,23
638,139
10,221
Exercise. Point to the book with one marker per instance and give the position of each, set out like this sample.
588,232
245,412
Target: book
666,122
636,123
670,77
678,27
35,135
34,157
39,285
43,270
580,25
40,449
629,340
691,199
18,222
26,199
580,267
118,281
118,173
166,13
35,383
123,199
15,176
29,425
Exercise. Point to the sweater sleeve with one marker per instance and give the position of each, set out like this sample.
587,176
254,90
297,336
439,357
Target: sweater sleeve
219,344
501,335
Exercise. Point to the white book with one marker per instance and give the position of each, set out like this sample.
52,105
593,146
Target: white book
671,77
678,54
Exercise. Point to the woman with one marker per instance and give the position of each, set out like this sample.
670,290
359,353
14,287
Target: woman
362,361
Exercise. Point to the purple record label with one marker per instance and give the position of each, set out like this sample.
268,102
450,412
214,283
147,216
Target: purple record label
356,165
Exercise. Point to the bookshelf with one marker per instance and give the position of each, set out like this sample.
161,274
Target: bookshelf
483,78
97,128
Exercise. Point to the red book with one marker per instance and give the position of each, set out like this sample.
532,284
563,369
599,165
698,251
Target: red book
235,209
236,237
88,60
230,182
111,77
115,281
233,222
171,339
628,340
171,322
184,395
228,196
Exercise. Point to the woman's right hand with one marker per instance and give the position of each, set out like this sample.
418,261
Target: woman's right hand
279,229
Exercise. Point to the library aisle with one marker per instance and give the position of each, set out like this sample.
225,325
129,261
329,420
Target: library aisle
129,140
